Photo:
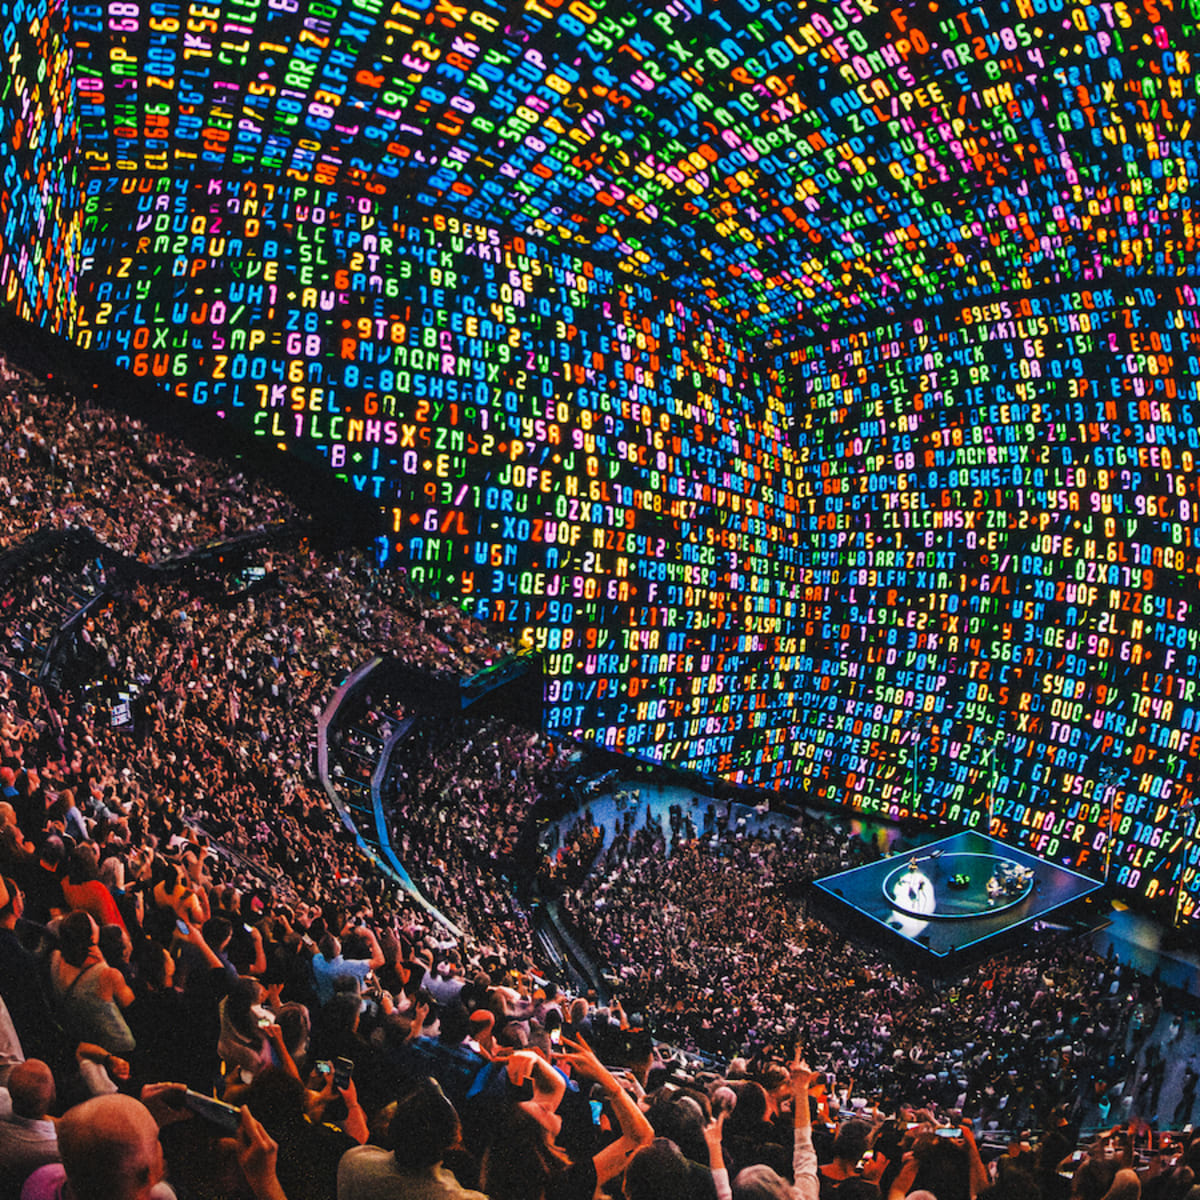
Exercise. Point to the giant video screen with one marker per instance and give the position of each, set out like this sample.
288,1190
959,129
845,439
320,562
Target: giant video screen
812,385
40,210
943,567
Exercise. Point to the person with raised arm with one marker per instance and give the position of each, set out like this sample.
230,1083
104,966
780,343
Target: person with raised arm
759,1179
524,1161
805,1181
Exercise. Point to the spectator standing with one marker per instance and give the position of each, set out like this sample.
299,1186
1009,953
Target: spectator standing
89,993
424,1128
28,1139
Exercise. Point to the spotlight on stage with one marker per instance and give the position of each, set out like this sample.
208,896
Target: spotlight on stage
949,922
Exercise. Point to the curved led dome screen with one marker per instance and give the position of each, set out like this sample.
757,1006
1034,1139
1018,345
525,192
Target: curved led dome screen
814,385
40,208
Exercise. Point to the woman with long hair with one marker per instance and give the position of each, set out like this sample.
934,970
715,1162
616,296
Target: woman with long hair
250,1040
89,994
524,1161
83,890
173,893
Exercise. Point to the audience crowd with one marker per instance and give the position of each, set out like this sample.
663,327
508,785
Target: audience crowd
207,990
687,926
67,463
457,792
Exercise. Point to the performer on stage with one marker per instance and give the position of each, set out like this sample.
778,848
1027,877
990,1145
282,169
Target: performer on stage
913,891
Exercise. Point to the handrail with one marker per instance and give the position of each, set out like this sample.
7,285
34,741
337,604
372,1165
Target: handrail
378,849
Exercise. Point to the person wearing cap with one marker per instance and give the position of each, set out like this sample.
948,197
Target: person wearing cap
482,1036
425,1126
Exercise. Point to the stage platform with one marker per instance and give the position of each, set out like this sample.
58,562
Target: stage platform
954,901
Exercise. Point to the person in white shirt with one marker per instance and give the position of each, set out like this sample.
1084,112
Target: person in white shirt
28,1139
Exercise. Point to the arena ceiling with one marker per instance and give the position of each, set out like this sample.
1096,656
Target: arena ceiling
787,165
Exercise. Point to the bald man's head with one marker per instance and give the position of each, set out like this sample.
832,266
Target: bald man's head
31,1086
109,1148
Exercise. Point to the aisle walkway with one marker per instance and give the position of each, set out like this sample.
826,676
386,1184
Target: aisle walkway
1177,1040
652,801
1138,941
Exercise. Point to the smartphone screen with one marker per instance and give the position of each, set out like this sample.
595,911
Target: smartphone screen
224,1116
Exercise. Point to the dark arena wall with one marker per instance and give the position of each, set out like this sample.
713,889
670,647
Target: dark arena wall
814,385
